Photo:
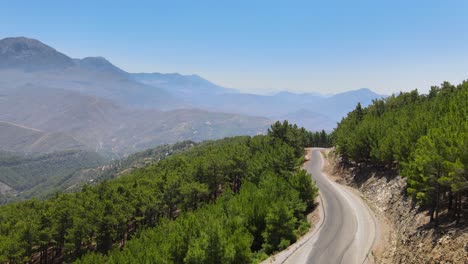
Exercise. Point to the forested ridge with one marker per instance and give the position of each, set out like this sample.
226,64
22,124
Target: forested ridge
232,201
423,136
122,167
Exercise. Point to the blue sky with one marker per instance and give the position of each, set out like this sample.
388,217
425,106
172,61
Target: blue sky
261,46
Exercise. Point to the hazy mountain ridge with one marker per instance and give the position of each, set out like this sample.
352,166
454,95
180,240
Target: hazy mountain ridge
30,54
100,104
105,126
97,76
181,84
111,110
206,95
99,64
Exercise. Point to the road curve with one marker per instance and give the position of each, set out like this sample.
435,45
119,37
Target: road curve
348,230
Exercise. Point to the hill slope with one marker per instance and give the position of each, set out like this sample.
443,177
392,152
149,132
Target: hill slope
16,138
423,138
220,196
105,126
40,175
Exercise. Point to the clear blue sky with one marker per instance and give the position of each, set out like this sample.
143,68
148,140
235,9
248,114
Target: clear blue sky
324,46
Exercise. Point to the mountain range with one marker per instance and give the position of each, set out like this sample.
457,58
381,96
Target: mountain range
95,105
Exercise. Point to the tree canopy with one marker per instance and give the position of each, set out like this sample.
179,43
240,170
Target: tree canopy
234,200
425,137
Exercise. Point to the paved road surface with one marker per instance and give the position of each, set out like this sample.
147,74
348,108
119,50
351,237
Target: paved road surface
348,230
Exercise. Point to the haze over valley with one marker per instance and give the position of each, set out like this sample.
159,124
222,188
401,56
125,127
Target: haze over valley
110,110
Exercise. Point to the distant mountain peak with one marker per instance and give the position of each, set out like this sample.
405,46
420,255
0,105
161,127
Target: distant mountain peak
182,85
100,64
19,44
364,90
30,54
97,59
10,41
285,93
297,94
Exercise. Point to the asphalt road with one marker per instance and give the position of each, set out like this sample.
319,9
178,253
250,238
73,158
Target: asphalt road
348,230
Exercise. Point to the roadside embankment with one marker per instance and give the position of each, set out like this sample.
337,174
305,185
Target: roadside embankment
407,236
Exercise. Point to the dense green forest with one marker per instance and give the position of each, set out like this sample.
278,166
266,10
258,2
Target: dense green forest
300,137
121,167
425,137
42,174
319,139
232,201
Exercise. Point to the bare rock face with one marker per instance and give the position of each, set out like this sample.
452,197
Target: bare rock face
415,239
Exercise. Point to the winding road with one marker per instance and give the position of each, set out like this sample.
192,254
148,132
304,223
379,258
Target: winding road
348,230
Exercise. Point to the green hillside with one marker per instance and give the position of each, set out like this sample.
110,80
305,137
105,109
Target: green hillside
233,200
425,137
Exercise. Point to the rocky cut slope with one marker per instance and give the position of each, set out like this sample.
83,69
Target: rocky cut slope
407,236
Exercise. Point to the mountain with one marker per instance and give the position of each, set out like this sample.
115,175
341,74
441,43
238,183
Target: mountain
310,120
338,105
311,110
182,84
191,90
31,55
97,77
16,138
110,110
99,64
105,126
28,61
39,175
59,111
104,84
